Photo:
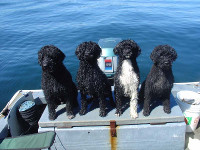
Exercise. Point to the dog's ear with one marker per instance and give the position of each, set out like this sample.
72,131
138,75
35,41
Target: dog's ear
175,56
117,49
173,53
80,50
96,49
40,55
61,55
154,55
138,50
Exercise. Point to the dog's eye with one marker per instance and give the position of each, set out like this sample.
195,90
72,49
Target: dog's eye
50,58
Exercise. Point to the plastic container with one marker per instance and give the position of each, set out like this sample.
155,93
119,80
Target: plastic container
28,112
190,111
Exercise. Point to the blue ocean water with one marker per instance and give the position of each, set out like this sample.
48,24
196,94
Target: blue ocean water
26,26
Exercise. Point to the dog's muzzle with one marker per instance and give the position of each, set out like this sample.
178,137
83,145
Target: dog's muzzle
128,57
167,63
128,54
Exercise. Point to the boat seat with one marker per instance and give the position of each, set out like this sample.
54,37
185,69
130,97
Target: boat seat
32,141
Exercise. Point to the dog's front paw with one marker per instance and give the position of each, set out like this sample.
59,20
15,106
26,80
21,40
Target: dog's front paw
70,115
52,116
118,113
82,112
102,113
167,110
134,115
146,113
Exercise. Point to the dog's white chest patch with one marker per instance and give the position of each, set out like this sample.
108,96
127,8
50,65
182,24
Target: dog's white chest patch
129,79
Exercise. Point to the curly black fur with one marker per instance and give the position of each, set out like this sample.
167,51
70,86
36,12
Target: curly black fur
127,77
57,82
160,79
91,80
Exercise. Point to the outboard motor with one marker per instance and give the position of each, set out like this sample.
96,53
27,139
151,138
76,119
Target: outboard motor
108,61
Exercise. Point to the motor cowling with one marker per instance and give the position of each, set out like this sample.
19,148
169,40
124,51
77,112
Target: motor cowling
108,61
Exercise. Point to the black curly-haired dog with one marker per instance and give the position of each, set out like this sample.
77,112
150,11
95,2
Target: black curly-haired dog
57,82
127,77
90,78
159,81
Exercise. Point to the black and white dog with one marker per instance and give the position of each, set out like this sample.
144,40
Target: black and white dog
127,77
159,81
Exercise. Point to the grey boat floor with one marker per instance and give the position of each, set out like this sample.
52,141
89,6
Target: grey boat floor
92,118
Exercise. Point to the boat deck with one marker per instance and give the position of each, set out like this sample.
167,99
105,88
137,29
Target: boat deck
92,118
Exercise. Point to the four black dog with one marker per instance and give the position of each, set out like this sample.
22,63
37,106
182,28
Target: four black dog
90,78
57,82
58,86
127,76
160,79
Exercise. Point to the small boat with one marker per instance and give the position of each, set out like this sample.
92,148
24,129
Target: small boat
13,127
25,124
